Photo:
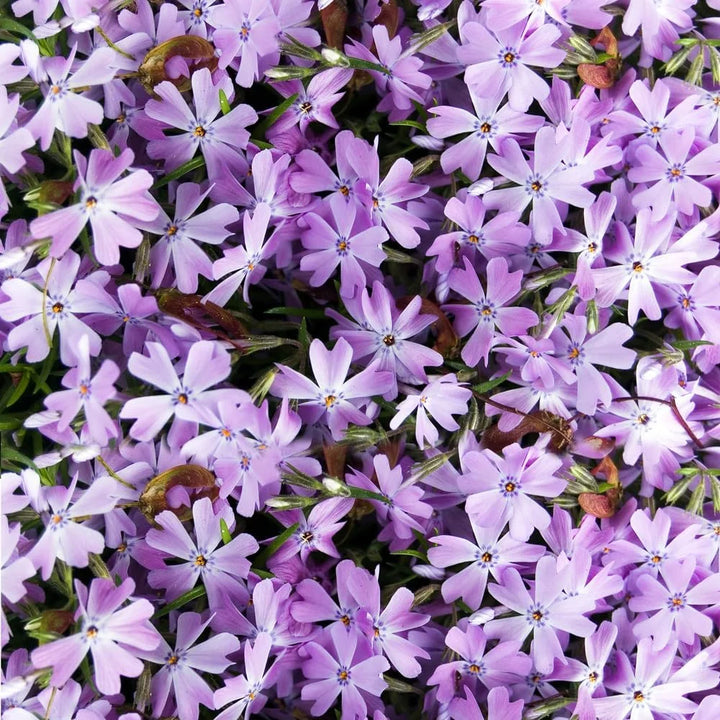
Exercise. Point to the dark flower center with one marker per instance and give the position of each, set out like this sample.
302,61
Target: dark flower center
306,107
389,340
58,307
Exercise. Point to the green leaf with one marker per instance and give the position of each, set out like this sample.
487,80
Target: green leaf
184,599
312,313
482,388
18,391
410,123
189,166
276,544
13,455
689,344
411,553
273,117
224,104
225,532
13,26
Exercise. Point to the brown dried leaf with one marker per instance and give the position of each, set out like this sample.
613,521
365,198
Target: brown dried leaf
389,17
603,505
597,504
607,39
540,421
191,47
153,499
192,308
335,455
599,76
334,20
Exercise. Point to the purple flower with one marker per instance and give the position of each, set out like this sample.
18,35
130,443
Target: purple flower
498,60
314,102
383,335
547,183
178,676
503,485
108,203
315,532
88,394
499,706
403,501
221,569
51,308
402,74
64,109
676,616
219,139
655,546
604,348
488,555
386,629
382,199
316,605
675,185
66,539
250,29
316,176
501,235
246,690
346,241
111,634
641,691
332,395
186,400
243,264
486,311
498,666
488,126
177,247
440,399
347,672
543,615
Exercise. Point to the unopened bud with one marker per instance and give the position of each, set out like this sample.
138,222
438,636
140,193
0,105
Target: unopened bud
289,502
335,58
336,487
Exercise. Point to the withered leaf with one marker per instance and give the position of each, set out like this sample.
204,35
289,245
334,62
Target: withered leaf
603,505
599,76
540,421
191,47
334,20
192,310
153,499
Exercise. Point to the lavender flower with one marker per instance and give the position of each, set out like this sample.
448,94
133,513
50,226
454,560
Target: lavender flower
111,205
111,634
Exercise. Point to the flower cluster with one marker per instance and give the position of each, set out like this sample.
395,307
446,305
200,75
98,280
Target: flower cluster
360,359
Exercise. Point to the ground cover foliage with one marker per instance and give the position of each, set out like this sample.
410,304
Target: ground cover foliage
360,359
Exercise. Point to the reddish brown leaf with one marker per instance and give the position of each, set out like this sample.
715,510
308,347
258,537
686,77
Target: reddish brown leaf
196,312
606,39
388,17
540,421
334,21
196,478
597,76
54,191
335,455
197,50
597,504
603,505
